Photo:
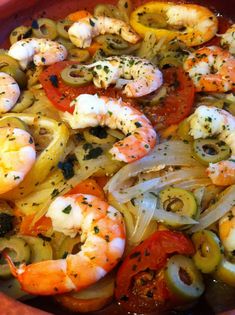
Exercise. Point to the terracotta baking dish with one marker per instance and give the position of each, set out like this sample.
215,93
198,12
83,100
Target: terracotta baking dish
16,12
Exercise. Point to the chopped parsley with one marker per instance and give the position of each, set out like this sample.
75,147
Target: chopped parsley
54,80
67,166
67,209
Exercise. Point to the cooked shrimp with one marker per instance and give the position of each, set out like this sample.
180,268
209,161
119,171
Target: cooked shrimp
91,111
228,39
82,32
142,76
189,23
9,92
199,22
42,51
210,121
212,69
102,231
17,156
227,230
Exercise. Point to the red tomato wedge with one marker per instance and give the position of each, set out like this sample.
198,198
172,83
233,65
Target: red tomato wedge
90,187
151,255
178,102
61,94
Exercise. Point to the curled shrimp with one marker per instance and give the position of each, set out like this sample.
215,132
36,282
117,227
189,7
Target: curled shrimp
228,39
17,156
227,230
189,23
142,77
9,92
82,32
91,111
212,69
102,233
210,121
42,51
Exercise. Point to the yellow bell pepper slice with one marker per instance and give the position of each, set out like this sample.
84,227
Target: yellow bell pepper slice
189,23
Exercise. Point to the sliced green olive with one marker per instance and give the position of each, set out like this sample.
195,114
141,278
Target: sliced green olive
45,28
105,10
6,60
179,201
210,150
40,249
114,41
226,272
183,278
17,74
19,33
79,55
17,249
208,251
183,130
66,43
76,75
62,27
69,246
25,100
13,122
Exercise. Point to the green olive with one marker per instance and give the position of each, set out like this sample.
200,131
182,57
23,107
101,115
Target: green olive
25,100
208,251
115,45
105,10
179,201
17,74
62,27
183,278
6,60
17,249
13,122
40,249
45,28
76,75
114,41
226,272
19,33
66,43
79,55
210,150
69,246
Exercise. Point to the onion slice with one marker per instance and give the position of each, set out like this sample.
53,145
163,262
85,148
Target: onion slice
172,219
155,184
170,153
145,206
217,210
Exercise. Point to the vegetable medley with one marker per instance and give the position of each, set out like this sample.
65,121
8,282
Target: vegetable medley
117,163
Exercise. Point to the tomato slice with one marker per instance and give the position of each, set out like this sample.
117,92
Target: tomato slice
141,272
61,94
178,102
90,187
